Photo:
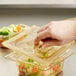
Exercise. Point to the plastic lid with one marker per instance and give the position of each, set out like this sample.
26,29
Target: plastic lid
23,47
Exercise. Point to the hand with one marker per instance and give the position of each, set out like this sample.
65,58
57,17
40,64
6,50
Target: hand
56,33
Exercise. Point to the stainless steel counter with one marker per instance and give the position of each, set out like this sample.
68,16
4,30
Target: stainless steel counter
30,16
38,5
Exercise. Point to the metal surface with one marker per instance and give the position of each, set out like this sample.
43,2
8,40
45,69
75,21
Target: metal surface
33,16
38,5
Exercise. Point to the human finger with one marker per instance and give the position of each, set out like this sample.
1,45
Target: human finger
42,35
51,43
43,28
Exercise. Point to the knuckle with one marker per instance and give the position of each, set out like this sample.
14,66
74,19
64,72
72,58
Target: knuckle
52,22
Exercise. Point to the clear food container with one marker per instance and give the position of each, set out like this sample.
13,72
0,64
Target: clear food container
31,62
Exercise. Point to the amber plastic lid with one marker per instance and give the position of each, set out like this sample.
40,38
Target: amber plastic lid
23,46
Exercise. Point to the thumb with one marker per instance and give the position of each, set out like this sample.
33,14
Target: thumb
51,43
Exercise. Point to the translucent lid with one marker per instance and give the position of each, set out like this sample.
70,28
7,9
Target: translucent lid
23,49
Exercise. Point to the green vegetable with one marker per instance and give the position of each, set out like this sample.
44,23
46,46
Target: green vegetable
4,32
27,66
30,60
0,33
45,54
35,74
